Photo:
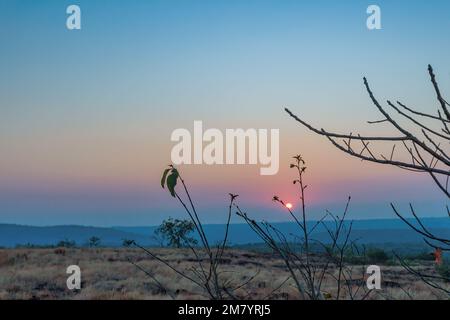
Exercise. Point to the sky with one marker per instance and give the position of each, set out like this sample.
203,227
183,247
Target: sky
86,115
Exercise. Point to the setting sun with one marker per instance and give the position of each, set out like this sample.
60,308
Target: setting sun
289,205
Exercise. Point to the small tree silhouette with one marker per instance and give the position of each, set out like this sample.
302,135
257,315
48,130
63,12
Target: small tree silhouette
176,232
94,242
127,243
66,243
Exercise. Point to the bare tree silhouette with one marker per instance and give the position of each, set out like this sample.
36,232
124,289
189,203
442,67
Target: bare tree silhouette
309,267
425,144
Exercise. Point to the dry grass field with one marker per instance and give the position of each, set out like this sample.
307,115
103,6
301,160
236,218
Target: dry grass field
107,274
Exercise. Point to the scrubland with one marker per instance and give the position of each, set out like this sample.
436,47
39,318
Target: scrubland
107,273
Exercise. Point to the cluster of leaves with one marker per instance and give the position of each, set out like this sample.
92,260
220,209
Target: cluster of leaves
169,178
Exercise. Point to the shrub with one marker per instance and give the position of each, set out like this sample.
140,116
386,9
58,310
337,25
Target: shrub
66,243
376,255
94,241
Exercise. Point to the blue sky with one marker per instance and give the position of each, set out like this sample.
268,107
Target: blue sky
86,115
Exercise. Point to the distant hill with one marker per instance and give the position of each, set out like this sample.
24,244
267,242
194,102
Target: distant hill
12,235
376,231
382,232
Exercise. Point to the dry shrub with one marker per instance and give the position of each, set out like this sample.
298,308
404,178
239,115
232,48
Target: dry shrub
60,251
